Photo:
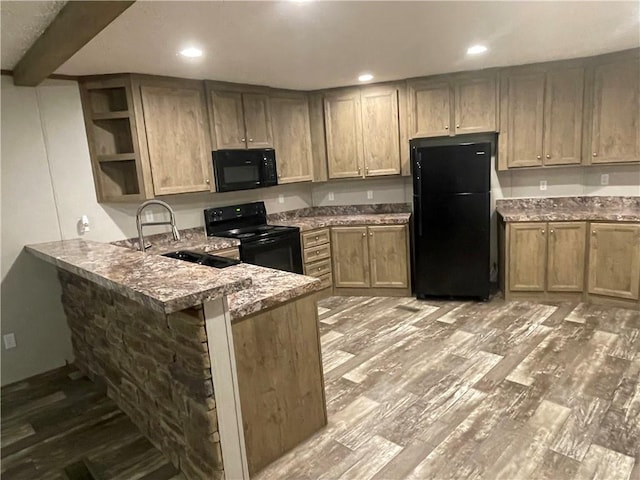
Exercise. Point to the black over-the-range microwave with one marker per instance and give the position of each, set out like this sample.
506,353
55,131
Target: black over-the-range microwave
244,169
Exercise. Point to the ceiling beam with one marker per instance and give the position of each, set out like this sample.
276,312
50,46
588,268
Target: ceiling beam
76,24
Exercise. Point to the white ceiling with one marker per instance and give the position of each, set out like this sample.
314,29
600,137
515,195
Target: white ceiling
21,23
309,45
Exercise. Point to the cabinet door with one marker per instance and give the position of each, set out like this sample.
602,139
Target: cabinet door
343,123
292,137
565,266
429,108
524,119
563,116
475,104
388,256
615,135
380,131
527,256
228,121
614,260
177,137
350,257
257,120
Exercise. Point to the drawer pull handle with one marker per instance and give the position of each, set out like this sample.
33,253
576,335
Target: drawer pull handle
319,268
317,237
317,252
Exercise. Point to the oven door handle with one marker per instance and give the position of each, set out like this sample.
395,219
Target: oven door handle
265,241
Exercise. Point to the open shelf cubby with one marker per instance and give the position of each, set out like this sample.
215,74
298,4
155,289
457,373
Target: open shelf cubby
112,136
106,100
119,178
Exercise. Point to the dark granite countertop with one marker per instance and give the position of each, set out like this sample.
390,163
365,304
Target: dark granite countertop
190,239
269,288
160,283
609,209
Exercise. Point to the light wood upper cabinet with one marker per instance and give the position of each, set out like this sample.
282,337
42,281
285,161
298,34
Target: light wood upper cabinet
614,260
522,109
257,120
292,137
455,105
175,120
615,111
388,256
541,115
565,266
228,119
527,257
350,257
429,108
239,119
362,132
343,123
380,139
563,116
475,101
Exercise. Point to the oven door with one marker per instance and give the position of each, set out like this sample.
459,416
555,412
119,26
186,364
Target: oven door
282,253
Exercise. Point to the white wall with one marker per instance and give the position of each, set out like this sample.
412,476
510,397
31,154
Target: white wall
47,186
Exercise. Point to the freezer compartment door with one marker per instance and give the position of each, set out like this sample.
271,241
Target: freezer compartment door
451,245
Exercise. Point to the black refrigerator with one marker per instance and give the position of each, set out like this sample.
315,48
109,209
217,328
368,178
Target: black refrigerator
451,216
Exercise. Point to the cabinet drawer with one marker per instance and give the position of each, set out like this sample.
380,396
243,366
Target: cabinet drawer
325,280
316,253
227,252
317,269
317,237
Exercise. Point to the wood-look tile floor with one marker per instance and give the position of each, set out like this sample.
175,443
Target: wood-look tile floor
451,390
59,425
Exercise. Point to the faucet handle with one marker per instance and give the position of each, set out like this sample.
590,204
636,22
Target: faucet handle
176,233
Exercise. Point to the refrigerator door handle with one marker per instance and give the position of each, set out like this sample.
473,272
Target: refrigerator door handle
417,201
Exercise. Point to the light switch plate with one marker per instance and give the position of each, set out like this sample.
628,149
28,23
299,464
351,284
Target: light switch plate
148,216
332,197
280,198
543,185
604,179
369,194
9,341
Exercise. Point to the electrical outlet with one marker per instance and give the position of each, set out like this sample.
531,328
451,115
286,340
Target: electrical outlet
9,341
148,216
604,179
280,198
543,185
369,194
332,197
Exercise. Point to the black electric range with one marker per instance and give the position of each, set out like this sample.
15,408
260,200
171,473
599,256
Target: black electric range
273,246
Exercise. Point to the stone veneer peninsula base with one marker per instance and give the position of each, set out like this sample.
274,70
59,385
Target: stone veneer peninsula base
155,366
158,368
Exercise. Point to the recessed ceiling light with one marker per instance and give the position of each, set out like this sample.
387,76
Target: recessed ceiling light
191,52
476,49
365,77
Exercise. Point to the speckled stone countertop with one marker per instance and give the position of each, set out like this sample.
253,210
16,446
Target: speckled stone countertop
269,288
615,209
342,215
162,284
190,239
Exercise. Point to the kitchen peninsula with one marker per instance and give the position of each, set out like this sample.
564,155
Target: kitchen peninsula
208,363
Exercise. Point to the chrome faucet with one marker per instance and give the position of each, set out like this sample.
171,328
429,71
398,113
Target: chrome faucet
139,224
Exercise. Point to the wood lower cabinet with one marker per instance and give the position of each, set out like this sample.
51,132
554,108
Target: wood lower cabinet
292,137
370,257
279,370
177,138
316,255
566,256
350,257
571,261
388,256
527,257
614,260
